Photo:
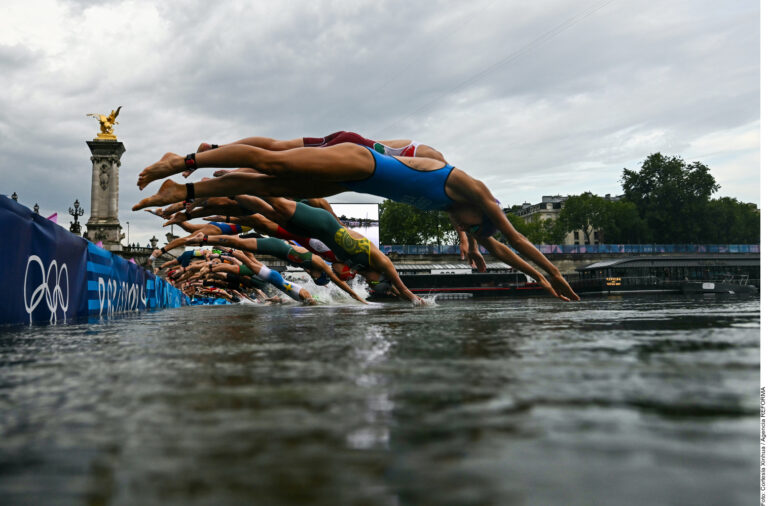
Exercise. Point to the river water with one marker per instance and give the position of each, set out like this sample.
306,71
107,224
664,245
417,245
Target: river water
640,400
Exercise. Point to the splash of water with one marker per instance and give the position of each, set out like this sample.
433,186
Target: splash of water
329,294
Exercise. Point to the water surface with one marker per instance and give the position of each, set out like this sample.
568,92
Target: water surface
635,401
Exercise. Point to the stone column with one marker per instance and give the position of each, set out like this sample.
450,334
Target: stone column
104,225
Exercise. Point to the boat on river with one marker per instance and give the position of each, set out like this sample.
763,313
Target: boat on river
459,281
720,274
727,274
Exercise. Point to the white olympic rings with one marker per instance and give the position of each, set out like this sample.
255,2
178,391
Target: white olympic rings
54,298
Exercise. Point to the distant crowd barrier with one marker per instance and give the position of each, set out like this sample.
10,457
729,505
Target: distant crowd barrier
547,249
49,274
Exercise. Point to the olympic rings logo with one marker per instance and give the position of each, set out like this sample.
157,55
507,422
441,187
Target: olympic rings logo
54,298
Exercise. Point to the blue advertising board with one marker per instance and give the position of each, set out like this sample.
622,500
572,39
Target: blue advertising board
49,274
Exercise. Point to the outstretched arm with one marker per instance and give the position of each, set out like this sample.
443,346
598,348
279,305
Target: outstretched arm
381,263
463,244
482,197
468,249
506,255
476,259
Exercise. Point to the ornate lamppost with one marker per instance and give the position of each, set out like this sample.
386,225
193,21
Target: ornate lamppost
15,197
36,209
74,227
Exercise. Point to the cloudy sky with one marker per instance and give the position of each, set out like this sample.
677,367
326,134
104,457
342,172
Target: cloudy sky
534,98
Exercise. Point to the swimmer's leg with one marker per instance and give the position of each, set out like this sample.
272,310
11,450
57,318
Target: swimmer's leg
237,183
290,289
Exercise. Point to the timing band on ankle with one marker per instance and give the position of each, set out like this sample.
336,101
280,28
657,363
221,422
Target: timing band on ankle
190,162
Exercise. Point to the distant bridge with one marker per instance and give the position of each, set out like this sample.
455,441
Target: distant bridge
569,257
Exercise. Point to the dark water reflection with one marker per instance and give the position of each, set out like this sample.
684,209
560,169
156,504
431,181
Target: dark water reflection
637,400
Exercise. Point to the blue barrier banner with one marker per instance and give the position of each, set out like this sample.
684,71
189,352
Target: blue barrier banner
41,267
115,285
51,275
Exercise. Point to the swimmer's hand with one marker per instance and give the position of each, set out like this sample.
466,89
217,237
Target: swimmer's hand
476,260
418,301
463,250
546,285
563,289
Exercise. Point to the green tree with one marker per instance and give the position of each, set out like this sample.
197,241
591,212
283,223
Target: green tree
541,231
729,221
404,224
622,224
585,212
671,196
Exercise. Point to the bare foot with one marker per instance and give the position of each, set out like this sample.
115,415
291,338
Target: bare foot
168,165
196,238
168,193
175,219
173,209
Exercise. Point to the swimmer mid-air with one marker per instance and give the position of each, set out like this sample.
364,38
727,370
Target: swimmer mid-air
320,272
309,172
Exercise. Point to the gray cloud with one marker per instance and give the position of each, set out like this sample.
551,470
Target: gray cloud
533,99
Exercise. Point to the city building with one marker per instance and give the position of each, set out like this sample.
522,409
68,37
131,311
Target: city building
549,208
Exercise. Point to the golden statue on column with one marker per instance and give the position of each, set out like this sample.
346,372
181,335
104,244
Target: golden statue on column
105,125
